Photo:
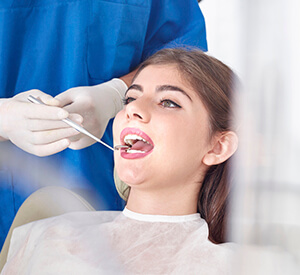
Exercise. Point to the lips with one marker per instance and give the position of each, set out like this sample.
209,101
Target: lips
140,143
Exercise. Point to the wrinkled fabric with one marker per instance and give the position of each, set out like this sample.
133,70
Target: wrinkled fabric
54,45
117,243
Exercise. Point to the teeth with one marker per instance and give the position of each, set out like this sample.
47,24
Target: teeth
130,151
129,139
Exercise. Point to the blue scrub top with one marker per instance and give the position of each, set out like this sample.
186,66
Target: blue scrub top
53,45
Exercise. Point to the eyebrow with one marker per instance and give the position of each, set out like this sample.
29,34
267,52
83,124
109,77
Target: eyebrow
161,88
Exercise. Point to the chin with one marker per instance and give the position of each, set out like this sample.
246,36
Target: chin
131,176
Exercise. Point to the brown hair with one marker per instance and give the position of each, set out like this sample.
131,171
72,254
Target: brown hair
214,82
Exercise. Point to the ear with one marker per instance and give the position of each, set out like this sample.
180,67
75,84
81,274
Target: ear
223,148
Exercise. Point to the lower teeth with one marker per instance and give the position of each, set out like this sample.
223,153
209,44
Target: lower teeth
131,151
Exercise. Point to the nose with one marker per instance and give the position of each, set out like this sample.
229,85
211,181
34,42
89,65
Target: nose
138,110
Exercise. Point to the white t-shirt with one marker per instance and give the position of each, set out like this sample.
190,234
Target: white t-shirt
117,243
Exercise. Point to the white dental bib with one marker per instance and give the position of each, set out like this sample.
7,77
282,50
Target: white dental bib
117,243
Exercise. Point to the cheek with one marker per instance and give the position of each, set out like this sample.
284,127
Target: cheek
184,144
119,118
186,135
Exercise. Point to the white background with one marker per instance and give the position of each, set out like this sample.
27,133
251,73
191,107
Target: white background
260,41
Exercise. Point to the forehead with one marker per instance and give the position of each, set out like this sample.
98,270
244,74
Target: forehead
162,74
167,74
154,71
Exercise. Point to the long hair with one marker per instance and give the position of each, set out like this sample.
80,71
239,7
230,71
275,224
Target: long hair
214,82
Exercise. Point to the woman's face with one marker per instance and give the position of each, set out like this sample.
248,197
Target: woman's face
168,126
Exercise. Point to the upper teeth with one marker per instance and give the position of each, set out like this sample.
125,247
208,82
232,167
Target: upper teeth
129,139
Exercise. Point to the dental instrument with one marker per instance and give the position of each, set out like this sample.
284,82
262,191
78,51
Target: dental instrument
79,128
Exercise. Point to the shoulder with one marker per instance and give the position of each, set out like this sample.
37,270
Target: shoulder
207,257
220,258
220,252
56,227
74,220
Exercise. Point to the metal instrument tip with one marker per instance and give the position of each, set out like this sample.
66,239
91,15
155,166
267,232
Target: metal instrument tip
118,147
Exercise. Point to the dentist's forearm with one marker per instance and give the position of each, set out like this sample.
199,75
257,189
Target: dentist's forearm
2,134
128,78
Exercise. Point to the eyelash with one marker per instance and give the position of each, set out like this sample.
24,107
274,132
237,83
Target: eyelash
127,100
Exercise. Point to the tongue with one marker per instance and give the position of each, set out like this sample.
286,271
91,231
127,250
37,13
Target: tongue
142,146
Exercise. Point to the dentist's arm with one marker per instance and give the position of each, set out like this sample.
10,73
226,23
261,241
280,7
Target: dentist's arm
37,129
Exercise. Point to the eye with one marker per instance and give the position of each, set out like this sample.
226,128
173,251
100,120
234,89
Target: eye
127,100
167,103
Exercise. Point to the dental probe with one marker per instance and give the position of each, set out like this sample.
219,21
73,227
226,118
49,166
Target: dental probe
79,128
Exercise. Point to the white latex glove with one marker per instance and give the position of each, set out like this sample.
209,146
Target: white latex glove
37,129
96,104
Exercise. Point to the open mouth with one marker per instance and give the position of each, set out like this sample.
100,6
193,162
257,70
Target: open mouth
137,144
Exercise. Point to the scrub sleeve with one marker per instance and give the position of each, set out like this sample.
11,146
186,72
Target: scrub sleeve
54,45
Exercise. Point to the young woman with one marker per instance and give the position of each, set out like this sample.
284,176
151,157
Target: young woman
177,123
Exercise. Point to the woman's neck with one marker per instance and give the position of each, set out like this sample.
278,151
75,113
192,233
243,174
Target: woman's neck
163,202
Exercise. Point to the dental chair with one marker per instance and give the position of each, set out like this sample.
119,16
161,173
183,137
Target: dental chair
44,203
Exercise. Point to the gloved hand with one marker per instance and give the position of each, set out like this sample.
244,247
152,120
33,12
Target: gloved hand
35,128
96,104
